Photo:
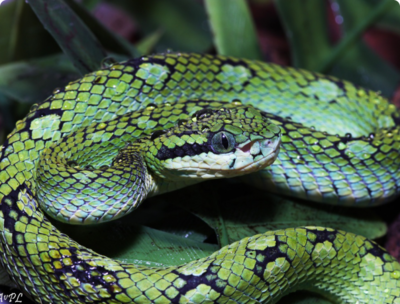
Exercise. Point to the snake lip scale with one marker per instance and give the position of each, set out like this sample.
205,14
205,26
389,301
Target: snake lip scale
95,149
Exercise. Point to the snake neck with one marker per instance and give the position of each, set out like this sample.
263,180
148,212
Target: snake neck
152,182
101,194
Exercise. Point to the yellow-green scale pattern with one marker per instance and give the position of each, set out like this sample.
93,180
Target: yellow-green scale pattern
364,170
104,171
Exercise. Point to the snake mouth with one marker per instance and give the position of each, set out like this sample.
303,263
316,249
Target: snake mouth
248,158
261,147
247,148
264,152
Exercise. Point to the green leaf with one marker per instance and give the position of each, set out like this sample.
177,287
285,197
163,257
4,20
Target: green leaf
26,82
111,41
350,59
146,45
33,80
358,63
252,211
71,34
160,214
354,25
391,19
90,4
363,67
306,31
21,28
233,29
126,241
184,23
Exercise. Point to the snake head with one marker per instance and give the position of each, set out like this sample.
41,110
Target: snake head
215,143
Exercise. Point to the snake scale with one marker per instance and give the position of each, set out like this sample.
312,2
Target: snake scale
159,123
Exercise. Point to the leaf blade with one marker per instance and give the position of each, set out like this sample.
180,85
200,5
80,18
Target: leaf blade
140,245
306,32
111,41
19,28
33,80
184,23
71,34
233,29
251,211
358,63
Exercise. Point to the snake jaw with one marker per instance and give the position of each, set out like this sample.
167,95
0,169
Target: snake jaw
256,147
263,152
246,158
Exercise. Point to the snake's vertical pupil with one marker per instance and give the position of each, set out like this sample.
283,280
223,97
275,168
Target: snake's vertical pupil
225,141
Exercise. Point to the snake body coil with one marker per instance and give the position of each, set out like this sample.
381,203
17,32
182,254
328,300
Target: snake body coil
340,144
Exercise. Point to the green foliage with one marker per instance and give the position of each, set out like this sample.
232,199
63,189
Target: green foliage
21,28
233,29
183,23
45,44
71,34
30,81
235,215
350,59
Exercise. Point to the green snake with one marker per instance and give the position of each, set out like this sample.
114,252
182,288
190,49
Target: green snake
96,148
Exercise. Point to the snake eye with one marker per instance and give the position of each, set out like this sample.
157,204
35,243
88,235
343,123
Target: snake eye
223,142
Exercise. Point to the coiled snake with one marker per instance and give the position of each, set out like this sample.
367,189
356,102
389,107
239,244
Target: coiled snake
96,148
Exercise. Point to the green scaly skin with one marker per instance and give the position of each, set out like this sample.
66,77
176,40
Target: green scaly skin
359,170
75,183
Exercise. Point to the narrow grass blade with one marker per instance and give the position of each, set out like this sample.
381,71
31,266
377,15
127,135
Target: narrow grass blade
72,35
233,28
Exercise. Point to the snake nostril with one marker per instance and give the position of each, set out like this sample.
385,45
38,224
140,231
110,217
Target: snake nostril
265,143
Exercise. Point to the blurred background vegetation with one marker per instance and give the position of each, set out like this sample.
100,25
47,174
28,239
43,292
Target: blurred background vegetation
44,44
